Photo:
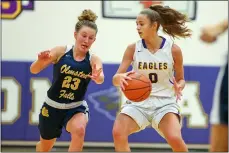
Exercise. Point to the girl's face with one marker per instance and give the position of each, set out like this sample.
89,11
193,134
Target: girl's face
85,38
144,26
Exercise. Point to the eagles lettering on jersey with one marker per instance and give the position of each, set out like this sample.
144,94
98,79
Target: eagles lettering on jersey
158,66
152,66
70,78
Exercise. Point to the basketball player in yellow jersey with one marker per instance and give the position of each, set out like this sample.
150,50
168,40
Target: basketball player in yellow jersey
157,58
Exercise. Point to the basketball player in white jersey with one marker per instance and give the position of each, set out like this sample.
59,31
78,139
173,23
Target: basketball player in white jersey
157,58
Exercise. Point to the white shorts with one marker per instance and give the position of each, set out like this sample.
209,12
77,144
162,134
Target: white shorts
151,111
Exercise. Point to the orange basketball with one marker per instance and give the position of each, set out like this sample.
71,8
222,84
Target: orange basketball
138,89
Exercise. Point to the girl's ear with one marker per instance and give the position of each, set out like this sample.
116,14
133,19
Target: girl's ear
75,34
154,25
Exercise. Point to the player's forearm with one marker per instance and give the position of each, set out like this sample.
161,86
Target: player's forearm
37,66
222,27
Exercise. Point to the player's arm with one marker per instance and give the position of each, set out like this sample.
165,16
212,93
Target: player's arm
178,66
47,57
210,33
221,27
97,69
126,61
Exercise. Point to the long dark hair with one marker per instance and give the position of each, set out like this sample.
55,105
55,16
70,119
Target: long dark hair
172,21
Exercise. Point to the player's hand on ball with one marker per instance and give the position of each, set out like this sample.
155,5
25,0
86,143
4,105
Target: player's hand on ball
44,55
95,73
177,89
123,78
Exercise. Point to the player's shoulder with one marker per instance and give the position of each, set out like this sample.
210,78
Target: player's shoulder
94,56
176,51
135,44
60,51
175,48
59,48
131,46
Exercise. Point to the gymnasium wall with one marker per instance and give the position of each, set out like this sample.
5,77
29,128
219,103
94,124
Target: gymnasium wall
29,27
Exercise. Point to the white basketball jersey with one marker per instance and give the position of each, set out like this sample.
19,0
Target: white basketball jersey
158,67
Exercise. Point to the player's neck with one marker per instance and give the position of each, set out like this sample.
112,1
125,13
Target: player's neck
153,43
78,55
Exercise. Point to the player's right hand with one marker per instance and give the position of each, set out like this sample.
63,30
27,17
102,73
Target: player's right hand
123,78
44,55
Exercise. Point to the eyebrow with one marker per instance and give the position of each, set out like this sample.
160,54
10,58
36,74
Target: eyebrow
140,21
88,34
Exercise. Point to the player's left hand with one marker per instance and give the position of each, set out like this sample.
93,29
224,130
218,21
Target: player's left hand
177,89
95,73
209,34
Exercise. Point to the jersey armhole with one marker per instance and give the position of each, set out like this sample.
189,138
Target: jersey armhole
90,55
138,46
135,51
67,48
171,54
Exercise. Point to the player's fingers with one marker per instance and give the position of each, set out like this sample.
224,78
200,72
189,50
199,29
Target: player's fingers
39,55
130,72
45,52
91,76
176,98
127,78
122,86
48,54
125,82
99,71
179,96
94,67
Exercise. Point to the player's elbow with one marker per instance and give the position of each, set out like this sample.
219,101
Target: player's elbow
33,69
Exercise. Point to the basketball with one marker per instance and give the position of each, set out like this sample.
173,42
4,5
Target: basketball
138,89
